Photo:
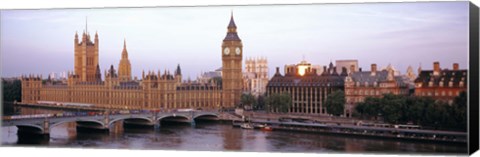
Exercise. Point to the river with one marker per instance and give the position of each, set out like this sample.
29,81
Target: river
219,136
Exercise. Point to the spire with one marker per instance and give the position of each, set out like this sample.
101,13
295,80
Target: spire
178,71
98,73
419,68
124,52
86,24
232,31
124,43
232,22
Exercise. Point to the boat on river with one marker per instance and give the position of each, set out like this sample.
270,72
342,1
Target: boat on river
246,126
266,128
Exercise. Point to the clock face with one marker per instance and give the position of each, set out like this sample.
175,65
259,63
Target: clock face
238,51
226,51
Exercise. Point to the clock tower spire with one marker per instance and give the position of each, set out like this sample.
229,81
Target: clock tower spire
232,54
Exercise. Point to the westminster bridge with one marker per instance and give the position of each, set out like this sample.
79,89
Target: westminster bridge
42,124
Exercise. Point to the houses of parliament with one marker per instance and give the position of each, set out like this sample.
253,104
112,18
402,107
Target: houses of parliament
155,90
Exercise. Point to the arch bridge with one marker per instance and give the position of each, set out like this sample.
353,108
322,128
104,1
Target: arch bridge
103,122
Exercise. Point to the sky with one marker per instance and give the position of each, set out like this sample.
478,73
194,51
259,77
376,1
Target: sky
400,34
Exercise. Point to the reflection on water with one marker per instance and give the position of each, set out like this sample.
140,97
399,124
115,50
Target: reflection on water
217,136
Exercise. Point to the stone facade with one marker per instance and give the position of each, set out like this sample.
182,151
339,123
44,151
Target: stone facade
232,79
86,57
156,89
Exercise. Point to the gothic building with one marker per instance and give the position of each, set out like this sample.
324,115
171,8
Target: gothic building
155,90
232,79
255,76
86,57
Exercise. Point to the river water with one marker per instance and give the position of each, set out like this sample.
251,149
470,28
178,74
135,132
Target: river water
220,136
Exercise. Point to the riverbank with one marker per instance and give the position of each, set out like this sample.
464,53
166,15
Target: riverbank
432,136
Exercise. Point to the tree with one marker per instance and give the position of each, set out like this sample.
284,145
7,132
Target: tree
459,111
423,111
278,102
260,105
416,107
359,110
12,90
335,103
391,108
369,108
247,100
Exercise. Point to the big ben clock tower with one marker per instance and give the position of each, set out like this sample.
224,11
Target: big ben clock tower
232,52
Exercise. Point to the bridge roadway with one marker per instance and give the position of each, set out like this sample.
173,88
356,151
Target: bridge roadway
103,122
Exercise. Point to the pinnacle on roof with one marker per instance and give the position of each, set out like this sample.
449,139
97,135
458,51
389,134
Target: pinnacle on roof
178,71
232,22
232,31
124,52
86,24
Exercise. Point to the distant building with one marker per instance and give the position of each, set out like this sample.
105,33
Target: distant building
410,77
10,79
307,89
441,84
318,68
350,65
389,67
255,76
410,74
301,67
207,76
373,83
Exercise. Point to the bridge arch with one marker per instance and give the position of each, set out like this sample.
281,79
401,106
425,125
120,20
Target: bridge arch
129,118
206,115
180,116
76,120
21,127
